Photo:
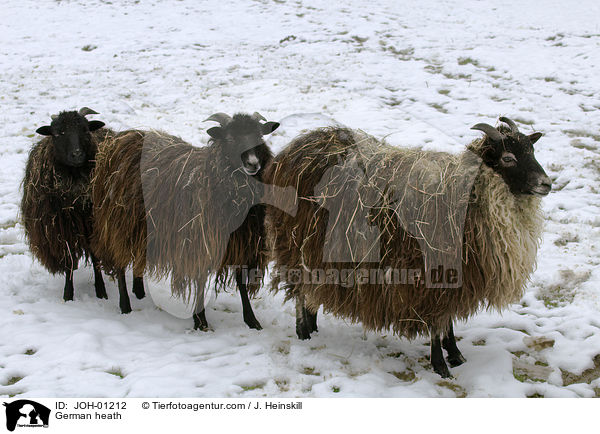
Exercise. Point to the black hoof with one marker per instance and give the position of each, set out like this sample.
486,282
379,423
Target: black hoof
456,360
68,298
126,309
253,323
303,332
138,287
101,292
200,323
442,370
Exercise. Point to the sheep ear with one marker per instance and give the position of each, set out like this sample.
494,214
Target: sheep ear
269,127
46,130
95,125
215,132
534,137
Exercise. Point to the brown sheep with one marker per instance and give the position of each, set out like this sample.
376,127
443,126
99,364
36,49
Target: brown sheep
378,222
184,212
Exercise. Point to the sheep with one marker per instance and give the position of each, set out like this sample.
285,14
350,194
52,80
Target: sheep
164,206
56,208
381,221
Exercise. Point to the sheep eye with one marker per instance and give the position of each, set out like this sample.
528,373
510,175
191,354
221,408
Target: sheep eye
508,159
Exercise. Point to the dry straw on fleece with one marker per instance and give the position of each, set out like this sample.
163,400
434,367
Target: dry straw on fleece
175,210
56,208
366,205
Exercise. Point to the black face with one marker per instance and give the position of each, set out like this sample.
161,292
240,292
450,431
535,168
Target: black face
71,138
512,157
242,143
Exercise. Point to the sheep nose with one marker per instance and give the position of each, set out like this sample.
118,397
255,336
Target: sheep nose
251,169
77,153
543,185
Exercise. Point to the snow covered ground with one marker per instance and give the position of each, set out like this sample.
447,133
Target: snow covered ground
419,73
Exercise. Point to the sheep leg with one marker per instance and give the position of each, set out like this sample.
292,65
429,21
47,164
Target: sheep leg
312,320
437,357
200,322
455,358
98,281
249,317
138,287
123,296
303,328
68,291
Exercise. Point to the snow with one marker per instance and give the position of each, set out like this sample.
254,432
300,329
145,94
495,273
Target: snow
417,73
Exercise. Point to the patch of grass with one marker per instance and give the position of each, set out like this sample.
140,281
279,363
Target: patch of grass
359,39
30,352
523,121
527,372
586,376
335,389
535,395
566,239
444,91
395,355
433,69
459,76
89,47
402,53
116,372
458,390
283,384
13,380
576,143
479,342
550,79
310,371
407,376
246,388
467,60
582,133
438,107
563,292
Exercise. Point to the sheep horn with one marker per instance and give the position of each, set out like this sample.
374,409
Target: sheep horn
54,117
510,123
258,117
84,111
222,118
489,130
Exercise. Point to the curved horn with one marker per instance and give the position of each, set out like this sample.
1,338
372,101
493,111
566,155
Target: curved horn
510,123
84,111
489,131
258,117
221,118
54,117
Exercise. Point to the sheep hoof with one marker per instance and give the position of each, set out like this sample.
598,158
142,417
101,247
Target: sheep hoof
138,287
200,322
442,370
253,323
456,360
303,332
101,293
125,309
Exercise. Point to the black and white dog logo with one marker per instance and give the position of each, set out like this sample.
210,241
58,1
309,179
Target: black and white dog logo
26,413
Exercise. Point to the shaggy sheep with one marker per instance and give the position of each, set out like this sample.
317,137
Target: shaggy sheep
375,223
56,208
181,211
